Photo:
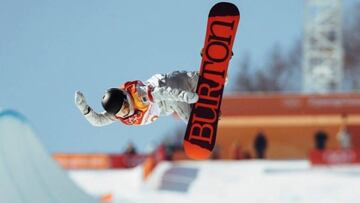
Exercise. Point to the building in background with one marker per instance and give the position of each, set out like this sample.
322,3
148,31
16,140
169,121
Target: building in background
289,121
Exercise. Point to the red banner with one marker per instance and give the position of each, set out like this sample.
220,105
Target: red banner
334,157
126,161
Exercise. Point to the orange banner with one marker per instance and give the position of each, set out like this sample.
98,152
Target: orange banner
99,161
83,161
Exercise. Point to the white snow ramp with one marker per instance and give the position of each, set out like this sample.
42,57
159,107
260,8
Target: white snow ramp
27,173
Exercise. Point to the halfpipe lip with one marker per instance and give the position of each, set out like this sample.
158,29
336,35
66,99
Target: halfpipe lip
14,114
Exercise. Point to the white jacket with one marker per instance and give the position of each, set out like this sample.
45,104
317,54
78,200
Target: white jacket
171,93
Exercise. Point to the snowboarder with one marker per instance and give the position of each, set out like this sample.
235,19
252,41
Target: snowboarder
138,103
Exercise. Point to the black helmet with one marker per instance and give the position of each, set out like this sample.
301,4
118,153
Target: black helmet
113,100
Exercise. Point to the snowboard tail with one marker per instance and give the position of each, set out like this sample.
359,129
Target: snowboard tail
200,137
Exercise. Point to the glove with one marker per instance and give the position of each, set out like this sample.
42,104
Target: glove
81,103
170,94
190,97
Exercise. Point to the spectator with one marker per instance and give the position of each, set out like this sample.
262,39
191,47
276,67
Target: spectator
320,140
236,152
260,145
130,150
215,153
344,138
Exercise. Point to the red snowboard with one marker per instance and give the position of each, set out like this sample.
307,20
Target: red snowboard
200,135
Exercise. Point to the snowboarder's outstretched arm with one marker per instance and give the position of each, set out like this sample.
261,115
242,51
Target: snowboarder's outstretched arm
94,118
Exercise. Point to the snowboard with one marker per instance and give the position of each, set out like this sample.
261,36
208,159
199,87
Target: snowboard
200,136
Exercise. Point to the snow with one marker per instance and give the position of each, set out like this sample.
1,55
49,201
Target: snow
227,181
27,172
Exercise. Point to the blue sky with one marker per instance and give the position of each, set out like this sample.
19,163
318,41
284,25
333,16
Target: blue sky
50,49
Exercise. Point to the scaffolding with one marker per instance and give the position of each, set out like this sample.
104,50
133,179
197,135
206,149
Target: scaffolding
323,51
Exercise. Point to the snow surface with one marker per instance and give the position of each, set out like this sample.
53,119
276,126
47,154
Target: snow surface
228,181
28,174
